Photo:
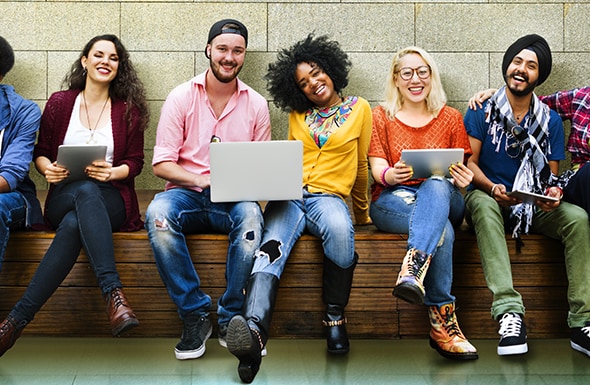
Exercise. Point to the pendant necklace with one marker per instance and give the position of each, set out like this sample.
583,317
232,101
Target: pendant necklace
92,130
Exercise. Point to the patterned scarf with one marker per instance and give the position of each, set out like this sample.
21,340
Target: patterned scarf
531,144
324,122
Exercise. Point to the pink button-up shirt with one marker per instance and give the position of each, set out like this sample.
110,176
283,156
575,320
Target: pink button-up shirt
187,124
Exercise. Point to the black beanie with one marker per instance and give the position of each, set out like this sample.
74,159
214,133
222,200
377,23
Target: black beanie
538,45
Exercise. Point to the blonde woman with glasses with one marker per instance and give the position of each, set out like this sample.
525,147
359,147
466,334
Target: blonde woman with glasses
414,115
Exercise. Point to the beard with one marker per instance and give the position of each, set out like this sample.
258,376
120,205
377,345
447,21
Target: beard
530,87
215,68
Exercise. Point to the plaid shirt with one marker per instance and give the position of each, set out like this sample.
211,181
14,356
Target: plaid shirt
574,105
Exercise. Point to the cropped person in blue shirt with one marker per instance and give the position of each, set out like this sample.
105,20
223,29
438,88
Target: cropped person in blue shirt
19,122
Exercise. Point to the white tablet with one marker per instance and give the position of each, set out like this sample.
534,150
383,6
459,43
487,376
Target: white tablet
529,197
77,157
432,161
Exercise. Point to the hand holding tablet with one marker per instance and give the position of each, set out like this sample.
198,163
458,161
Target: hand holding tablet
76,158
432,161
529,197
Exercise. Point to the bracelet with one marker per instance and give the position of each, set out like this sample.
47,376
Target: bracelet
383,181
557,187
492,190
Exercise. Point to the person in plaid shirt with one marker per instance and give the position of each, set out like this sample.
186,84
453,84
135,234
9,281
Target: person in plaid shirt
574,105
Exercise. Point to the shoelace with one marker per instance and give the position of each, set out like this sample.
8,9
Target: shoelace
586,330
117,299
416,263
510,325
450,323
4,327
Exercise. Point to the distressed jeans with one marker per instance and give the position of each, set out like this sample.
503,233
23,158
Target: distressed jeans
324,215
179,211
428,214
567,223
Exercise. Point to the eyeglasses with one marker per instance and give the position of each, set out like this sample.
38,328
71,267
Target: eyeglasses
406,73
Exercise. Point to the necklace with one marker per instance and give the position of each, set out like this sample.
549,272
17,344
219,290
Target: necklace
90,128
520,115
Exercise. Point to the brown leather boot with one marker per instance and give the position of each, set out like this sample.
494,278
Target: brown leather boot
10,330
120,313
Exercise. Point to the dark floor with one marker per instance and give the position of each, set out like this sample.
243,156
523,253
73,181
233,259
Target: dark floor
86,361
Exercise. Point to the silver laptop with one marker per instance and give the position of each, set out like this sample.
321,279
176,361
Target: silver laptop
256,171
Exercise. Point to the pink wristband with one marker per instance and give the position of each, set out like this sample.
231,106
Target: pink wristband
383,181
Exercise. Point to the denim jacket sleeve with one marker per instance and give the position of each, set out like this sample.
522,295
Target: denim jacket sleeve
18,137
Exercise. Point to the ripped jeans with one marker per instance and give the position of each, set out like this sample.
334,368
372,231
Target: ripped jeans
180,211
428,213
324,215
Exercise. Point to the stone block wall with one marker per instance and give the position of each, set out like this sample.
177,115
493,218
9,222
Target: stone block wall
166,39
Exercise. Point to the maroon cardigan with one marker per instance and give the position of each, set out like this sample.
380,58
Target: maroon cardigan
128,147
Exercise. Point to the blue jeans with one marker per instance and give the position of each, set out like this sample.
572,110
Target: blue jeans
323,215
180,211
428,213
85,214
13,216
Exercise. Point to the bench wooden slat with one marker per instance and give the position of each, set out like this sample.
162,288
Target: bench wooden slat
77,308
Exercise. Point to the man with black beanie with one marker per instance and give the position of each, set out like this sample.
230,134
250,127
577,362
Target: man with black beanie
517,144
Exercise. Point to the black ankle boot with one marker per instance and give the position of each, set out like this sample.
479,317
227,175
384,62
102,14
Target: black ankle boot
247,335
336,336
337,283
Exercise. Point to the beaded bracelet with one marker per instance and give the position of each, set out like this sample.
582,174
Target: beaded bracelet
383,181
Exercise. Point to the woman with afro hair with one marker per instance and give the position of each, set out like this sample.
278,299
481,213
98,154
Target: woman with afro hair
307,81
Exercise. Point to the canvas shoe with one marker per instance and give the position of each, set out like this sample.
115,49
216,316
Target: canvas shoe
580,339
512,335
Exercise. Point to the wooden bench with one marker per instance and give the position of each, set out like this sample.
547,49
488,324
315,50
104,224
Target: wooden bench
77,308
